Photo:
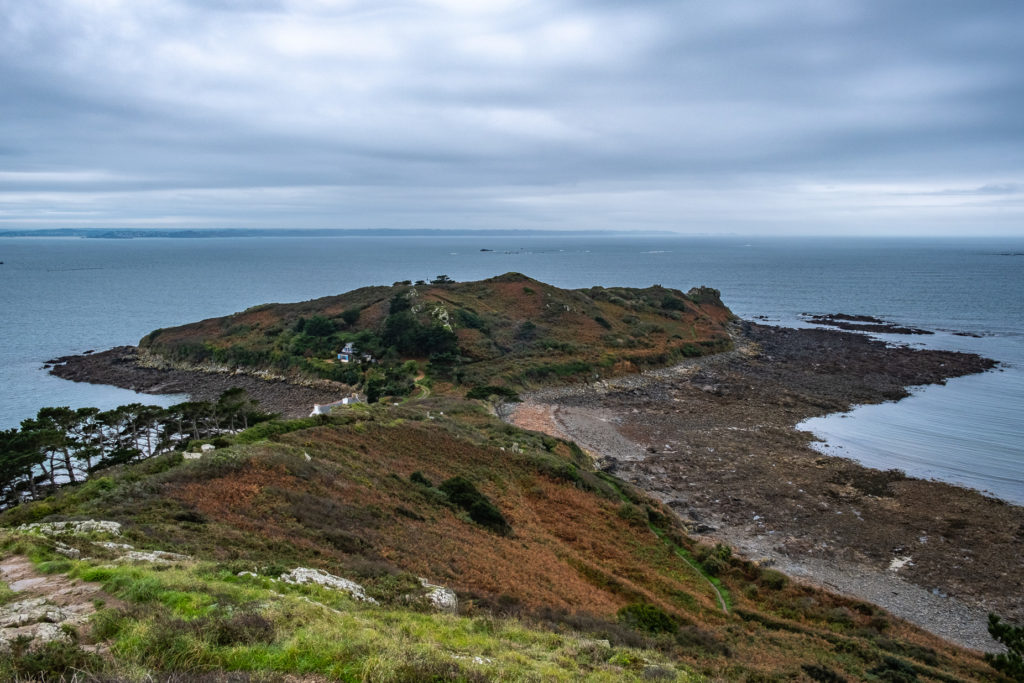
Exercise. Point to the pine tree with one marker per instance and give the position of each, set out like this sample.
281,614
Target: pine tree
1010,662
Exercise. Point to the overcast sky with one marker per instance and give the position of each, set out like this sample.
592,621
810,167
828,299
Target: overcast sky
718,116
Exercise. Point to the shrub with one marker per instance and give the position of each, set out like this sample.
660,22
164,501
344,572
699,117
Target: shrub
55,660
839,615
319,326
823,674
776,580
418,477
470,319
243,628
714,565
1010,662
632,515
463,494
671,303
895,670
486,392
646,617
266,430
697,638
350,316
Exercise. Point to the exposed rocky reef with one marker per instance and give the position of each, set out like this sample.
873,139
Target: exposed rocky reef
862,323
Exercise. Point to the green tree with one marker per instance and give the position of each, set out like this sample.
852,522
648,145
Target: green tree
20,458
54,430
1010,662
319,326
351,316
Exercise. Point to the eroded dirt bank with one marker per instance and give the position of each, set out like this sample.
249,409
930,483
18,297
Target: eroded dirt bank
120,367
715,438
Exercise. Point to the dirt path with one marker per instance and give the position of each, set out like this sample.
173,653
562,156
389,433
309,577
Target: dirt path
424,389
44,606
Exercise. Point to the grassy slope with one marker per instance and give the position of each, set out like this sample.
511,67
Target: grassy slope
538,603
511,329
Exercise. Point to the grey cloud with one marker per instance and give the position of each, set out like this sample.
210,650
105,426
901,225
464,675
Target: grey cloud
419,112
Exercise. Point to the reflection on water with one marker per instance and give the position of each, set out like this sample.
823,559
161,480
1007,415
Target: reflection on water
965,432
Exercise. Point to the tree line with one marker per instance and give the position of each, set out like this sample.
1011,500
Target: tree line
61,445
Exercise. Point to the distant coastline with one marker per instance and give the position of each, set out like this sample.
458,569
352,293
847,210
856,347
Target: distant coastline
148,233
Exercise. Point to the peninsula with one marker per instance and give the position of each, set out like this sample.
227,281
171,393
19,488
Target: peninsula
653,551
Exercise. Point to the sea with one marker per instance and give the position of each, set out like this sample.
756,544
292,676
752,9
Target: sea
64,295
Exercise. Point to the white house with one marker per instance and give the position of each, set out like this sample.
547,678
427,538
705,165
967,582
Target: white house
348,353
325,408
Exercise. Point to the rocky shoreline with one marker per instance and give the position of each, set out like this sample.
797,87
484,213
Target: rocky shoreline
122,367
715,439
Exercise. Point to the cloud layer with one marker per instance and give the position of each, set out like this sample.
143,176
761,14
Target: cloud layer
796,116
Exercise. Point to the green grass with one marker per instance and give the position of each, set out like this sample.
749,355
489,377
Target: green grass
186,619
678,550
6,594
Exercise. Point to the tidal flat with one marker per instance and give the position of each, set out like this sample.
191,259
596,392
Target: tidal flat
715,438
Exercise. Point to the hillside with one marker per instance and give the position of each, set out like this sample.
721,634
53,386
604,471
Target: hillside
507,332
561,572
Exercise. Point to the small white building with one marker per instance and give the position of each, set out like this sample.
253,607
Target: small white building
325,408
348,353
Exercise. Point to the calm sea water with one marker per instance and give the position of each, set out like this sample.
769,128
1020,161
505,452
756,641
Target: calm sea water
61,296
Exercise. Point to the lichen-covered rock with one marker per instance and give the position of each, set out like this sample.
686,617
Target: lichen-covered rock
67,551
155,556
441,598
302,575
110,545
32,611
88,526
35,619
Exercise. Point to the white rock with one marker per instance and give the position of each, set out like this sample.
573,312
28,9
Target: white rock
207,447
155,556
110,545
67,551
443,599
33,611
899,563
301,575
72,528
191,455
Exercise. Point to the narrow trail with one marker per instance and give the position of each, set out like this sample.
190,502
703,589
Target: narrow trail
424,389
679,552
44,606
693,563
